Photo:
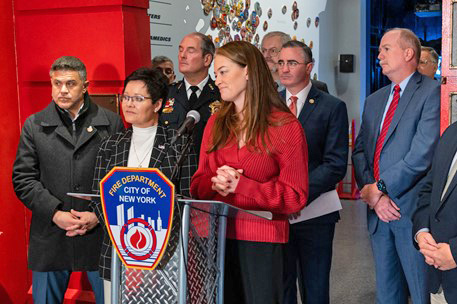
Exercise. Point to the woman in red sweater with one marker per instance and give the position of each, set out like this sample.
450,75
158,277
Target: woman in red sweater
253,156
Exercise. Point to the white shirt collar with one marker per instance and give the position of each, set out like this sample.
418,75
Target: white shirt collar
302,96
200,86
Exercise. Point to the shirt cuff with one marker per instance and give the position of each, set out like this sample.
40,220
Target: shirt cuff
419,231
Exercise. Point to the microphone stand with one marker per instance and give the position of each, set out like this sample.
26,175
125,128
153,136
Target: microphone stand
179,162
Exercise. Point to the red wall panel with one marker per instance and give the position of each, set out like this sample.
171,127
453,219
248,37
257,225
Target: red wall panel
13,257
112,39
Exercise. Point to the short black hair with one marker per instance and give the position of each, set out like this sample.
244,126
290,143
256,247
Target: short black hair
307,53
156,83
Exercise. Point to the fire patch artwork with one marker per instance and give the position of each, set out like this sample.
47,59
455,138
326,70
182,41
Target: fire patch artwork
138,209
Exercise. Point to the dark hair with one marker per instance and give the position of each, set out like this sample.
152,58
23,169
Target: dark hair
261,100
307,53
69,63
156,83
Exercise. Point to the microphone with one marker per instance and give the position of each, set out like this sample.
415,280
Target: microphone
192,118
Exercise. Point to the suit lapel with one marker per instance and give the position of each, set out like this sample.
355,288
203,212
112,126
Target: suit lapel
182,96
410,89
445,170
123,149
309,107
379,107
159,149
51,119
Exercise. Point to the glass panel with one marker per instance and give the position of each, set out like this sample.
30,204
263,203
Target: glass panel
453,107
454,35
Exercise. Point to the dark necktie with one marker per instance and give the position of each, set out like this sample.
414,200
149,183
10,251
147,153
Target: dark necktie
385,127
293,105
193,96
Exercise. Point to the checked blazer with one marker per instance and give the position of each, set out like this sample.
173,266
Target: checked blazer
114,151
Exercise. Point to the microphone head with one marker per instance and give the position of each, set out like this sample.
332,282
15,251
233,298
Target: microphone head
194,114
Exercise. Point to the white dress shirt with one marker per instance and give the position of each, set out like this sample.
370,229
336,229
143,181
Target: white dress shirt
302,95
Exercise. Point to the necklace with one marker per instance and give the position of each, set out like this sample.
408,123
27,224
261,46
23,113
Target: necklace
140,162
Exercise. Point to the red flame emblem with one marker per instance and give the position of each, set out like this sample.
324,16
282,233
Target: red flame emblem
138,240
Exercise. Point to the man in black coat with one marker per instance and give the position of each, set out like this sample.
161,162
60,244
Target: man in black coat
197,91
325,121
435,220
56,155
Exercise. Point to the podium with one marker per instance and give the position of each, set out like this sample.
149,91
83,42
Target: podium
192,268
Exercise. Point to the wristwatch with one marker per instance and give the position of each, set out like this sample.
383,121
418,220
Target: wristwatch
381,186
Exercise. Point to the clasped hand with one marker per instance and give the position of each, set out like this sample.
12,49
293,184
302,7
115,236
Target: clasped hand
384,207
226,180
438,255
75,222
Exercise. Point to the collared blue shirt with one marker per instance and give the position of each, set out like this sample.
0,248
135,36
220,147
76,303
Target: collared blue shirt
402,85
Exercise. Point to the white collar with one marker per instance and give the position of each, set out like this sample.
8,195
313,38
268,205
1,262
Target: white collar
302,95
200,86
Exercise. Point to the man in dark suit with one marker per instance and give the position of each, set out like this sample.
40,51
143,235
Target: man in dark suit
324,119
271,46
435,220
392,154
197,90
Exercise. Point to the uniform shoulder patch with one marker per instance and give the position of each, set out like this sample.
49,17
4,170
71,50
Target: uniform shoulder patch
168,108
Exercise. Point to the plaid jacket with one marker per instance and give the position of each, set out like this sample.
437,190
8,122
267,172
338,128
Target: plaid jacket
114,151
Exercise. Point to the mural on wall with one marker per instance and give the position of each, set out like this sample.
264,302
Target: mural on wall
231,20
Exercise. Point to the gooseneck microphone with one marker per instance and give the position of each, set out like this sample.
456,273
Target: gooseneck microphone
192,118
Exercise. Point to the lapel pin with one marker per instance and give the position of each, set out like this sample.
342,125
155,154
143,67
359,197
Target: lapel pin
90,129
311,101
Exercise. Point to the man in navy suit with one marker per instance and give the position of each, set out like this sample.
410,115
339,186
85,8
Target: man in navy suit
392,154
435,220
325,121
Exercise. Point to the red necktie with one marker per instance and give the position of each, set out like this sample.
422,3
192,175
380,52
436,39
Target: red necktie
293,105
385,127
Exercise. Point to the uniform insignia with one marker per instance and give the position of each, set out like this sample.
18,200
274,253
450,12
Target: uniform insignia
211,86
90,129
215,106
168,108
311,101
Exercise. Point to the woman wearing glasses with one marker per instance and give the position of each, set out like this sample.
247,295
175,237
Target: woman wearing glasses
253,156
145,144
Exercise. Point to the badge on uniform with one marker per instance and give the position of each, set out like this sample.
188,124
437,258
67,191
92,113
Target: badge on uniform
215,106
168,108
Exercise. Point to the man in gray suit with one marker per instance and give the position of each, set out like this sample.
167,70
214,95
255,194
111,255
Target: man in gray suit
393,152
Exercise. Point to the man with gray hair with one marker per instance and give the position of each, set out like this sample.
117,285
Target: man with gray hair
428,63
197,91
56,155
271,45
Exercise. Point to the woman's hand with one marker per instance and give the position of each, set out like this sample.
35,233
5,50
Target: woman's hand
226,180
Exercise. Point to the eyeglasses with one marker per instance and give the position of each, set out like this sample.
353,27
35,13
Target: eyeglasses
166,71
291,64
274,52
136,98
424,62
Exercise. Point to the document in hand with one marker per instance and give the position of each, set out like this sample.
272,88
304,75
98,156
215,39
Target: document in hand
326,203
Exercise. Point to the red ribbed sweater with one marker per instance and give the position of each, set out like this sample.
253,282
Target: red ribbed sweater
277,182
